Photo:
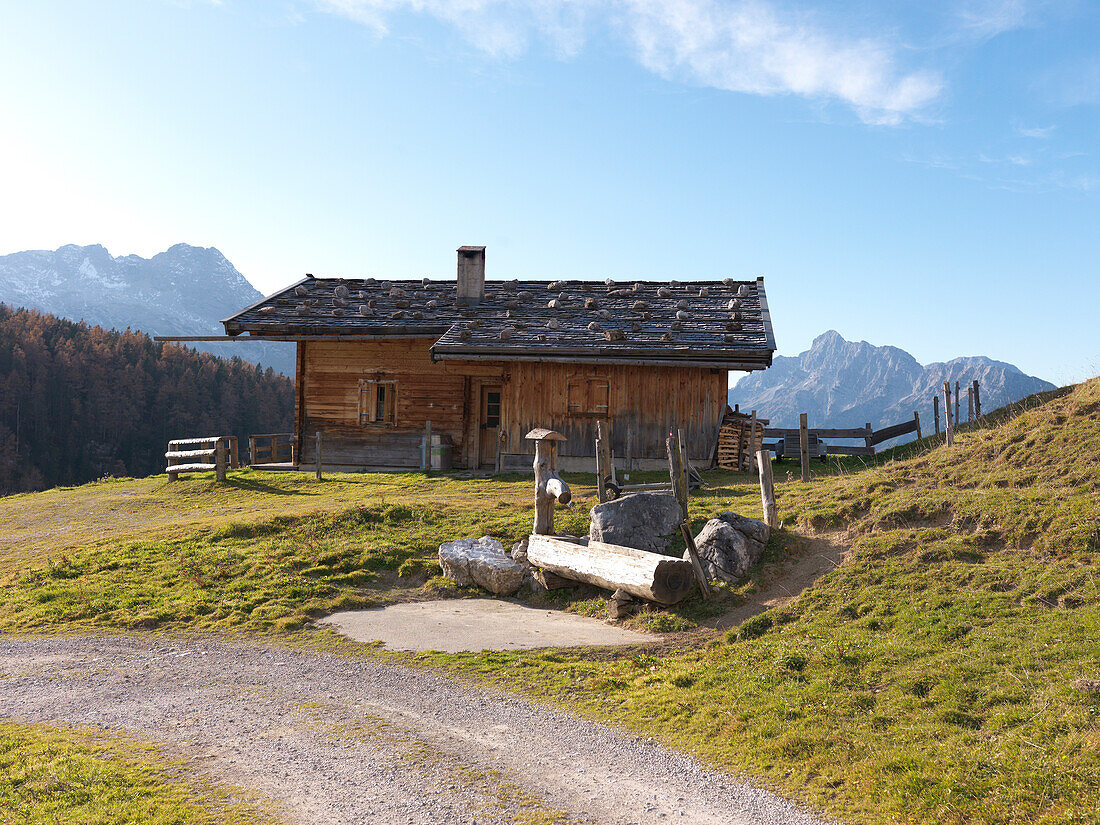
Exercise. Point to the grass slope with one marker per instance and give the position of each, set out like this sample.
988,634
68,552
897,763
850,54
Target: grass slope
931,678
51,775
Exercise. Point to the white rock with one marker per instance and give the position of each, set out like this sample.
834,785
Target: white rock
483,562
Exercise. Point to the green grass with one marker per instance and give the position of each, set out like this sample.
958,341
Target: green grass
928,679
50,775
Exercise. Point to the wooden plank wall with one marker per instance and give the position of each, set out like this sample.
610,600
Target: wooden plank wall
330,397
649,400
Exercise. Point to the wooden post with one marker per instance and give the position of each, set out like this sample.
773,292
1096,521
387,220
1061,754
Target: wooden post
868,438
958,398
628,459
916,419
549,486
947,413
603,430
219,459
500,451
601,470
767,488
936,411
977,400
752,442
318,455
252,449
970,404
426,448
678,477
804,446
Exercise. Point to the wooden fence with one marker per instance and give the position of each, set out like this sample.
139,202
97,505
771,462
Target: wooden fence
272,448
871,438
201,455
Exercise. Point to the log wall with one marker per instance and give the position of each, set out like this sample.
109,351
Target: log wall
648,401
330,400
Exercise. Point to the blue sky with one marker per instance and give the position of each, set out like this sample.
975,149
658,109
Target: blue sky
915,174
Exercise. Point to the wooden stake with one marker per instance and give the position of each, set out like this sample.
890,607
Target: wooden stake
679,489
916,419
767,488
752,442
426,452
500,451
947,413
977,400
219,459
319,455
804,446
936,411
601,471
970,403
958,399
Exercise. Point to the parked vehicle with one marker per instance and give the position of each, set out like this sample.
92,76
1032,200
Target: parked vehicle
818,448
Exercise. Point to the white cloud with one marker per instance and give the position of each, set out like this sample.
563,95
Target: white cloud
985,19
1036,131
747,46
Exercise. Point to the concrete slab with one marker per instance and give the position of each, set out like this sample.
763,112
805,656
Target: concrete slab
456,625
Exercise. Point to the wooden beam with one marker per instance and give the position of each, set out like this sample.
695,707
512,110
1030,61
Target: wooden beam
936,412
916,423
319,455
977,400
947,413
804,446
767,488
649,576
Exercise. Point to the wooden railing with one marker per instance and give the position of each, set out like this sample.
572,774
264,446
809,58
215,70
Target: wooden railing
201,455
272,448
871,438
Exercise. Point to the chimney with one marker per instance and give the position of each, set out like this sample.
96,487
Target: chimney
471,275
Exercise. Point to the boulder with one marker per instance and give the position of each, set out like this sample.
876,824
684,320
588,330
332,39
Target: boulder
641,520
729,545
482,562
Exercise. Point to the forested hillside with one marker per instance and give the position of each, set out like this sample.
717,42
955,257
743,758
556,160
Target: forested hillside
78,402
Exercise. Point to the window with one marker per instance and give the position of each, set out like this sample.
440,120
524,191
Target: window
492,409
588,397
377,402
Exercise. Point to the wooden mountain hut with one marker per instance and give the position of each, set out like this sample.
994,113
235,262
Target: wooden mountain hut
486,362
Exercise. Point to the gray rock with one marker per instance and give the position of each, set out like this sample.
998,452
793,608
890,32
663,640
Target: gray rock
641,520
727,553
482,562
519,552
754,528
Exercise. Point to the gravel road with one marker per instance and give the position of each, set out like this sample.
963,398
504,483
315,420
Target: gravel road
338,740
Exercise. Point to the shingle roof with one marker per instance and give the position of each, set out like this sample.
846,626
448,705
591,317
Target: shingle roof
720,323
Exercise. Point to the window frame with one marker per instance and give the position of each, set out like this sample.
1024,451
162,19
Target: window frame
368,402
594,389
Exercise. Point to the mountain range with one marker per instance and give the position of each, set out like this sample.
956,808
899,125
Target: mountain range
841,383
185,290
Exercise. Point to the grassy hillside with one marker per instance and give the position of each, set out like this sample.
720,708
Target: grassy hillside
930,678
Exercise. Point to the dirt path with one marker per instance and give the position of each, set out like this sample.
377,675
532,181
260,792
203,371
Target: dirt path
339,740
785,582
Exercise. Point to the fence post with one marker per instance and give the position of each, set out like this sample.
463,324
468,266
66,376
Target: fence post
936,411
970,404
500,451
977,400
318,455
219,459
252,449
947,413
916,418
958,398
804,446
767,488
601,485
426,451
752,443
868,439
